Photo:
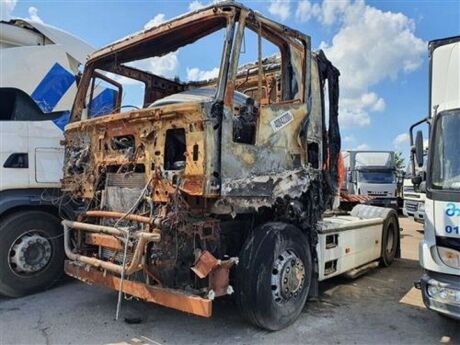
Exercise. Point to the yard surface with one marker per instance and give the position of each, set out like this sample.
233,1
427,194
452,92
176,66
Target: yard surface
361,311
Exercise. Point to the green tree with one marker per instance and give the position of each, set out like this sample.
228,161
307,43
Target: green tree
399,161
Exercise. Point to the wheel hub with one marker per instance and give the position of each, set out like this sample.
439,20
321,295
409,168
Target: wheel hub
288,276
30,253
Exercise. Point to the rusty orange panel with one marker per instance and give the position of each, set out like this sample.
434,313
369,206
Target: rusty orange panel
166,297
106,241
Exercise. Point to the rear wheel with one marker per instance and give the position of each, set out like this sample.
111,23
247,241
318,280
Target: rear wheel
31,252
274,276
390,239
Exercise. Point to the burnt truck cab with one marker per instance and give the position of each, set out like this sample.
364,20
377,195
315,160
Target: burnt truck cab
206,173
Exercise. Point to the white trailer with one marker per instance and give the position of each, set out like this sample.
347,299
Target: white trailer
40,71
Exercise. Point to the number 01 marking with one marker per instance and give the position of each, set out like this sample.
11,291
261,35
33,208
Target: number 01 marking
452,229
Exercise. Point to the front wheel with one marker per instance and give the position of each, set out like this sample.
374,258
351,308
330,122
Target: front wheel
273,276
31,252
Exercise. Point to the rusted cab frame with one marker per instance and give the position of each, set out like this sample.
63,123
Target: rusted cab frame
221,176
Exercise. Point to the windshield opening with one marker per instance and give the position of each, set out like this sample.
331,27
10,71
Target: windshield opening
445,158
385,177
156,68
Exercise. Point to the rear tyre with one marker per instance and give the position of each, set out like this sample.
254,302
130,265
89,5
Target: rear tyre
390,239
273,276
31,252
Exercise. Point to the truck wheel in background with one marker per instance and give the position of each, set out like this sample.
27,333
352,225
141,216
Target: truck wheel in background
390,239
273,276
31,252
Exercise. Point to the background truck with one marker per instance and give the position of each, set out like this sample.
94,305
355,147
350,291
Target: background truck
205,190
414,196
372,173
440,248
37,87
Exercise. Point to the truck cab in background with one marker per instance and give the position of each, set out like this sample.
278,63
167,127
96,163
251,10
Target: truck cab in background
372,173
40,71
414,196
440,248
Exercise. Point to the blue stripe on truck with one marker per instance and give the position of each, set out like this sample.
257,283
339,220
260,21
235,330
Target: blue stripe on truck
62,120
53,86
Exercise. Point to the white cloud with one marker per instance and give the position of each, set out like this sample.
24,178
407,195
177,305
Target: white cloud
400,140
157,20
33,15
362,147
379,105
371,46
6,8
195,5
349,139
350,118
195,74
306,10
280,8
331,9
165,66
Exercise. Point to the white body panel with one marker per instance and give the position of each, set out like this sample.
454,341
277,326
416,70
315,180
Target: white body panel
414,202
45,168
428,254
383,190
442,217
445,82
357,242
41,61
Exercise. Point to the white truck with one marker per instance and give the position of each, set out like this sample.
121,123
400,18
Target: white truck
39,76
372,173
440,248
414,199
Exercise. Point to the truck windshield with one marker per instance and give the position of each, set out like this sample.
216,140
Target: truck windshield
376,177
445,157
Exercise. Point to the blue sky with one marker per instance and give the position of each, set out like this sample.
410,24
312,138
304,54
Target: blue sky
380,47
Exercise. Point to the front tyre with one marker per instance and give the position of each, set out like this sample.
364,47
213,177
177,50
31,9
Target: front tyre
31,252
273,276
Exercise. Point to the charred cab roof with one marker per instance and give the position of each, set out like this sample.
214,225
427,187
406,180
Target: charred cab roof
166,35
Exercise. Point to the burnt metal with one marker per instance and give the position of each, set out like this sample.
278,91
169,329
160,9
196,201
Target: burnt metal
169,298
174,189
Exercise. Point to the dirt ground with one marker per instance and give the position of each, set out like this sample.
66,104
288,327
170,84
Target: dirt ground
361,311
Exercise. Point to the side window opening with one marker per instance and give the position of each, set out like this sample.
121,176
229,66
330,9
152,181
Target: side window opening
103,94
175,148
258,89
